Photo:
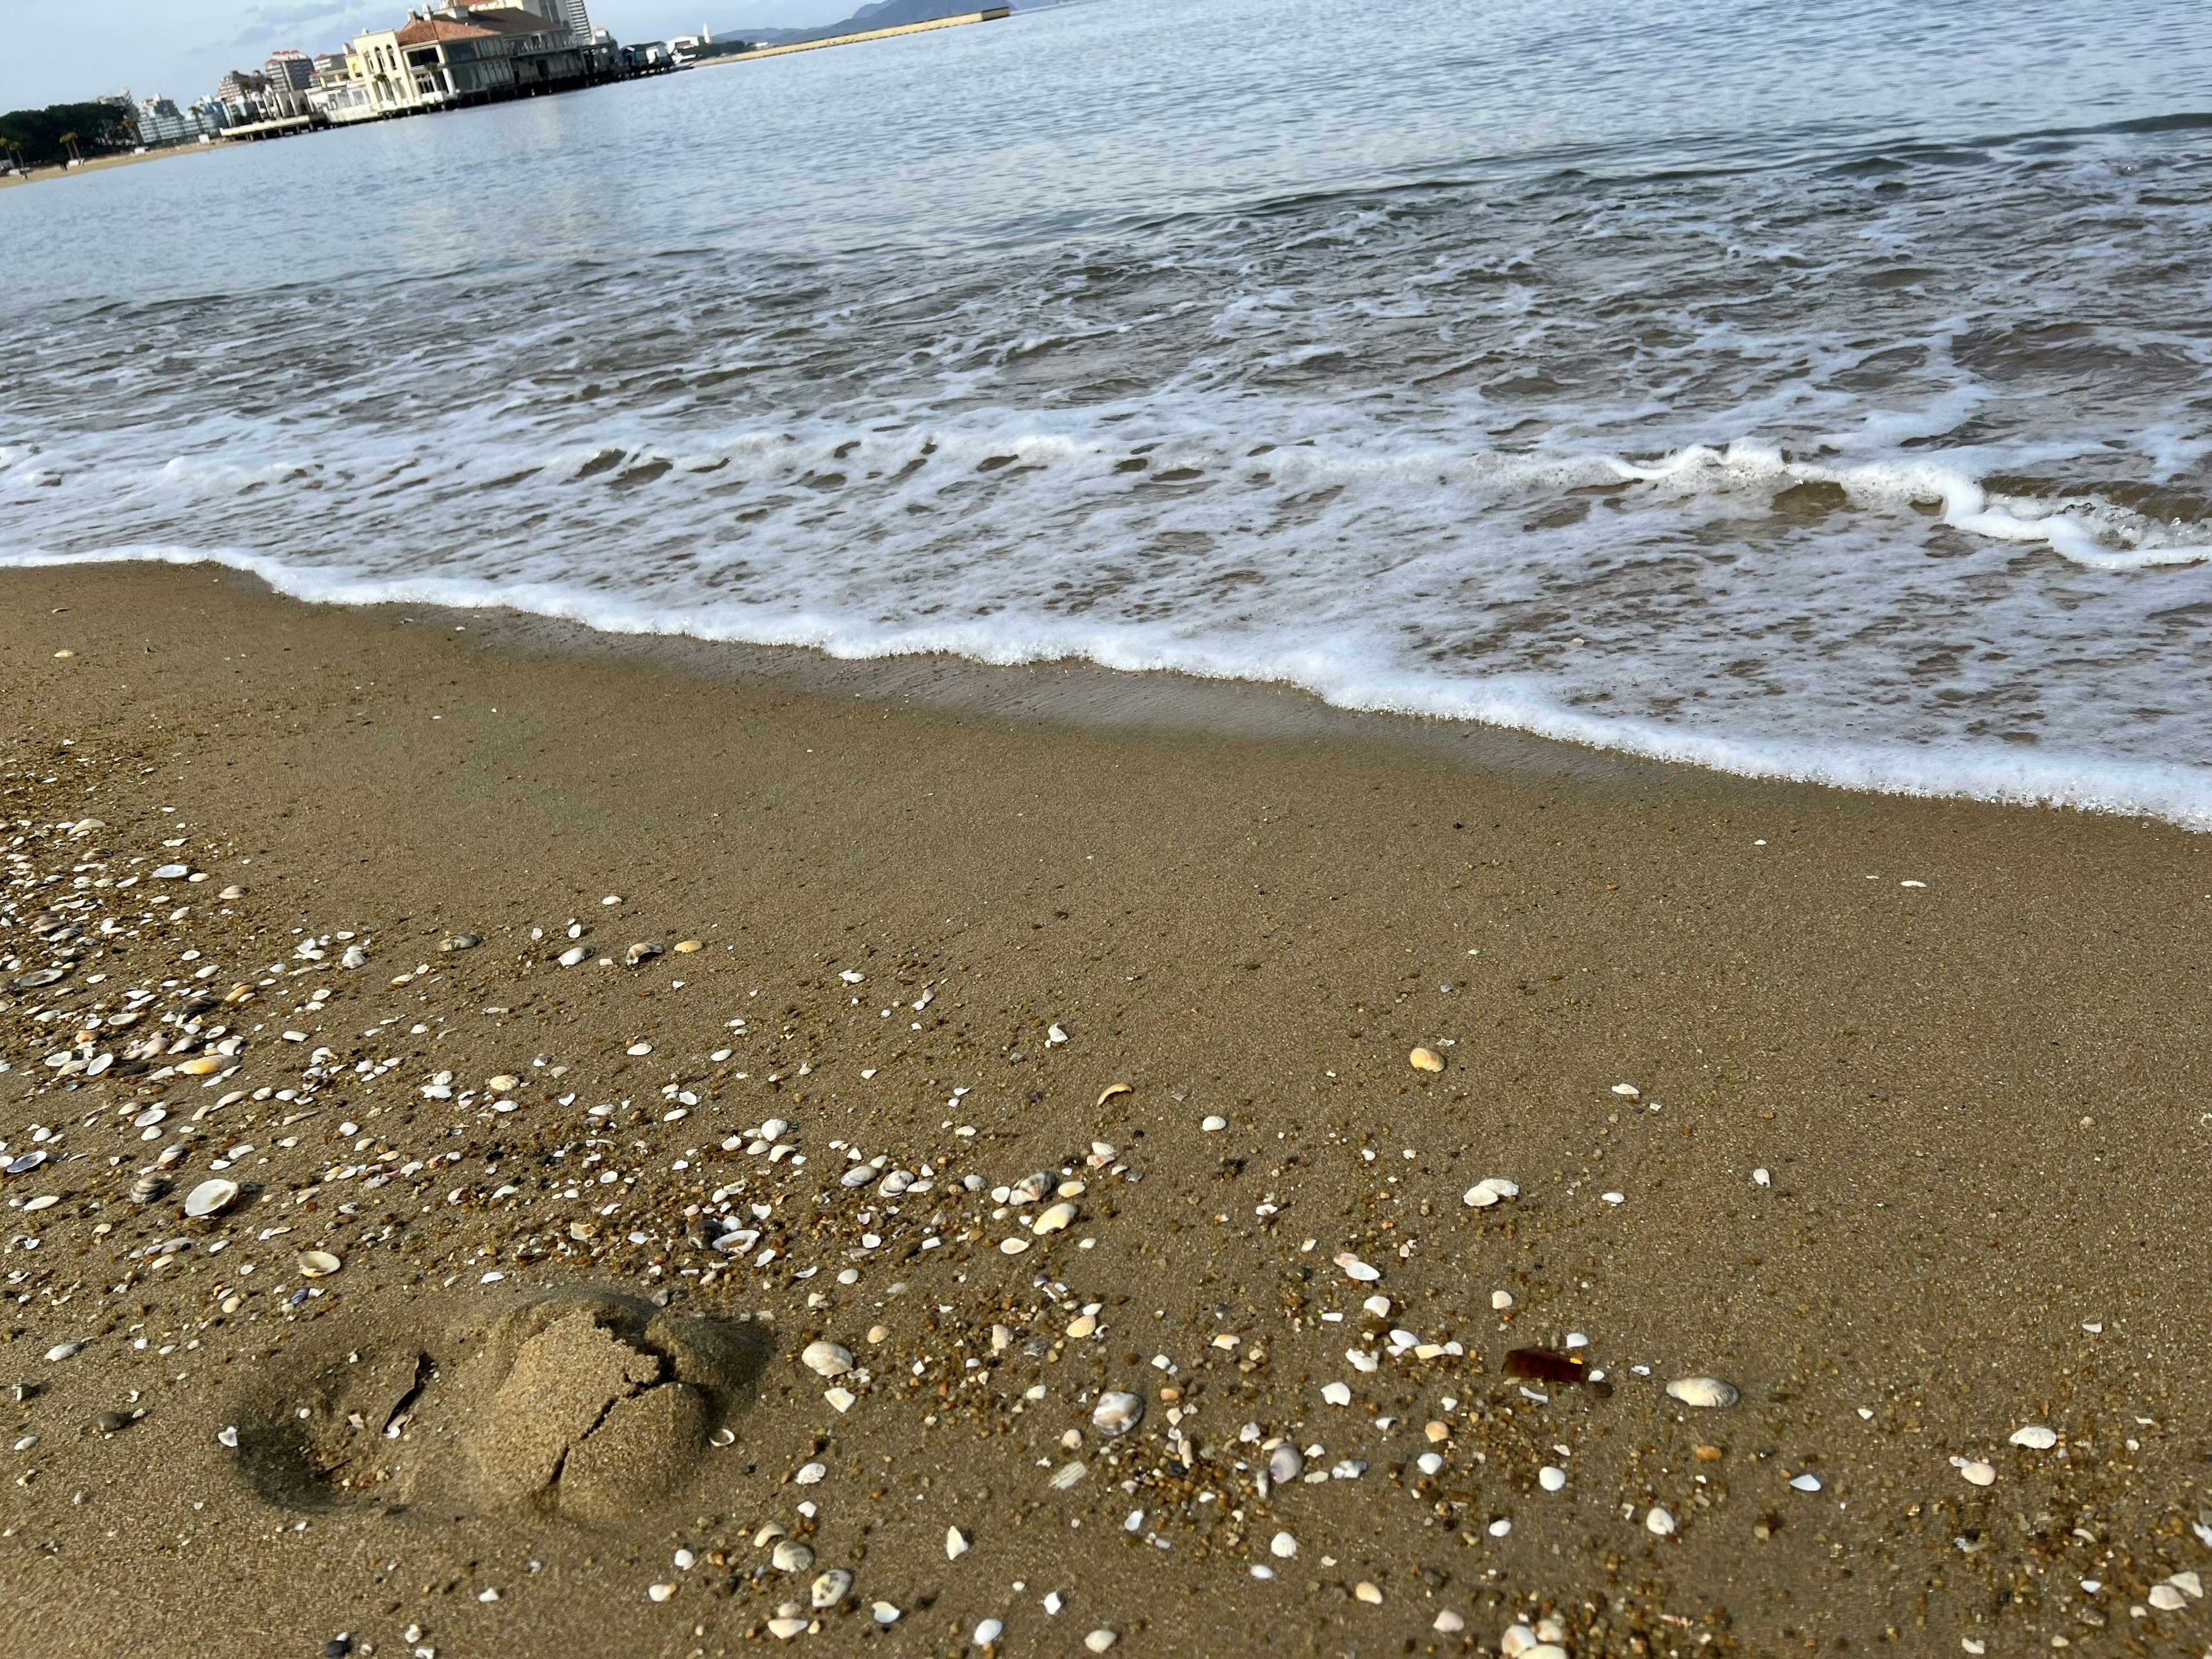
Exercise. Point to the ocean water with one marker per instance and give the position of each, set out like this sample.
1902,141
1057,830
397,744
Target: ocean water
1812,390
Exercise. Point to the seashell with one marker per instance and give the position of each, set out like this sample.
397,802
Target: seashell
810,1474
1070,1190
1628,1091
826,1359
1012,1246
27,1162
1214,1124
791,1555
1112,1090
210,1198
36,978
684,947
1355,1268
148,1188
1659,1523
575,956
1031,1188
1081,1325
202,1064
774,1129
1117,1412
643,951
1977,1472
1488,1191
895,1183
1704,1391
318,1264
831,1588
1425,1060
503,1083
859,1176
2035,1438
232,892
1056,1220
842,1399
62,1350
955,1544
1285,1464
354,956
171,871
2166,1598
460,942
1804,1483
46,1202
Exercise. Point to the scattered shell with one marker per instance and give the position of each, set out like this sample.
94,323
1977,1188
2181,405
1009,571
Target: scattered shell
1659,1523
1013,1246
1355,1268
1285,1464
202,1064
1368,1593
318,1264
461,941
643,951
1628,1091
636,1048
36,978
1978,1473
884,1613
148,1188
842,1399
684,947
988,1631
1501,1300
62,1350
1058,1218
2035,1438
1214,1124
1112,1090
791,1555
784,1627
1100,1639
232,891
171,871
574,955
831,1588
1425,1060
1117,1412
1448,1623
1704,1391
1551,1478
1283,1546
355,956
660,1592
1804,1483
210,1198
228,1437
810,1474
1336,1394
826,1359
1081,1325
1490,1190
955,1544
45,1202
1068,1473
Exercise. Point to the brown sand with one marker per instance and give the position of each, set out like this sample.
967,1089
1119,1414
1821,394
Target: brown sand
1979,1100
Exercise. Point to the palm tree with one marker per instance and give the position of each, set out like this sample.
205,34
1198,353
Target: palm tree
69,142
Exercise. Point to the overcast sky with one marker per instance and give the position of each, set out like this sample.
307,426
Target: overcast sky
58,51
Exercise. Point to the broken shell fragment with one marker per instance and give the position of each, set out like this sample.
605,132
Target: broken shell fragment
210,1198
1704,1391
575,956
460,942
1355,1268
2035,1438
1425,1060
955,1544
1117,1412
1112,1090
826,1359
1490,1190
1056,1220
643,951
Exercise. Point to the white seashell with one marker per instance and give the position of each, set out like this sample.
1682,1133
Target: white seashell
1516,1642
841,1399
1031,1188
955,1544
574,955
826,1359
1214,1124
1068,1475
1448,1623
774,1129
2166,1598
2035,1438
783,1627
1081,1325
791,1555
1425,1060
831,1588
202,1064
859,1176
1551,1478
1099,1640
1337,1393
1283,1546
171,871
354,956
1501,1300
1360,1360
1628,1091
2189,1584
1704,1391
810,1474
210,1198
62,1350
1489,1191
1285,1464
1054,1035
1805,1483
1978,1473
232,892
1056,1220
1012,1246
1659,1523
1117,1412
318,1264
1355,1268
895,1183
643,951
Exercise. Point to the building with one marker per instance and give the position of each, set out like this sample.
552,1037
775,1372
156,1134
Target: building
469,53
240,93
285,80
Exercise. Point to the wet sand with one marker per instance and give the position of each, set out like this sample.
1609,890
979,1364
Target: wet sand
1964,1043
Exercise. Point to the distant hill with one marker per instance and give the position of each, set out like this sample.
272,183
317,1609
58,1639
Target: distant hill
879,15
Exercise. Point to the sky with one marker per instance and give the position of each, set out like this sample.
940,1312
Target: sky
59,53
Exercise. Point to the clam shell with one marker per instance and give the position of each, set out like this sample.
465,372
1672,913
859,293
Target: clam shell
1425,1060
791,1555
318,1264
575,956
684,947
2035,1438
826,1359
202,1064
831,1588
1054,1220
36,978
210,1198
1117,1412
1704,1391
461,942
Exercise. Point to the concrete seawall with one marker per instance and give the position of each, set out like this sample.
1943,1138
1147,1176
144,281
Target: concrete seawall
988,15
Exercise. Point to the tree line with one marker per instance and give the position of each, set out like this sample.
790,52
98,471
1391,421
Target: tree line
60,132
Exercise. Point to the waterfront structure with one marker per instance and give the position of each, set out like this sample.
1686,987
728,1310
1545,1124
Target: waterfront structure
469,53
161,122
285,80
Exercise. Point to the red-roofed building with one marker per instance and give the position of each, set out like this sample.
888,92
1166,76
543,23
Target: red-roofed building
466,54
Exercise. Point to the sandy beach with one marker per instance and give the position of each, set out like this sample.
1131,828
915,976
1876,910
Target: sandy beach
1884,1113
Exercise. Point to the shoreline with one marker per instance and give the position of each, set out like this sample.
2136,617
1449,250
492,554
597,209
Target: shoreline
1959,1041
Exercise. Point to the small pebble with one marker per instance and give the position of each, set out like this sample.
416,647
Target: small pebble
660,1592
1368,1593
1099,1640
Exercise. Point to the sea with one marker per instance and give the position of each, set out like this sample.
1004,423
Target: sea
1816,390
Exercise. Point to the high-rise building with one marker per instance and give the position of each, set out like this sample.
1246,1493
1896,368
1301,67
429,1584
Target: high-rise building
287,73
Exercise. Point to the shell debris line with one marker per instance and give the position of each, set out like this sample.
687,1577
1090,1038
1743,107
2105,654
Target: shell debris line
883,1288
